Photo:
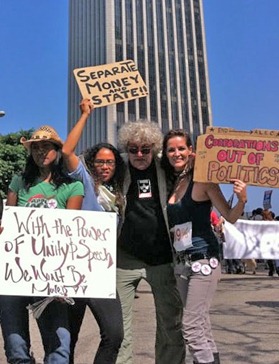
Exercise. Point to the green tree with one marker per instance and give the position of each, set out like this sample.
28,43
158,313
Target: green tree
12,157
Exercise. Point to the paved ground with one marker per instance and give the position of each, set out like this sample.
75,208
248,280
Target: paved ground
245,320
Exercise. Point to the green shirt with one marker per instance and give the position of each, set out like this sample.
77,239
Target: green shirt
45,194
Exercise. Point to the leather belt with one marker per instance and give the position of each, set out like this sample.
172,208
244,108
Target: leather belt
182,257
197,256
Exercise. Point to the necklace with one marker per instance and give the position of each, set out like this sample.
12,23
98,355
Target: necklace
109,187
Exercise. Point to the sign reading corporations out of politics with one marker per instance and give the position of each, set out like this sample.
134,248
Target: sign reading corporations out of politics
51,252
251,156
110,83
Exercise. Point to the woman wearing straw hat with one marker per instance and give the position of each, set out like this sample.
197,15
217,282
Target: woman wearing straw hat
42,184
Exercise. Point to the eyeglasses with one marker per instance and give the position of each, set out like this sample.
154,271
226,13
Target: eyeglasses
143,150
102,162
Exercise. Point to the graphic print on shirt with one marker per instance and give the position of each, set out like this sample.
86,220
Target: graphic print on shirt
144,188
42,201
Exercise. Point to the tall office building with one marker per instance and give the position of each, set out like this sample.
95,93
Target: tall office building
165,39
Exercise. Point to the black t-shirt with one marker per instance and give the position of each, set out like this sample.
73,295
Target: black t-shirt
144,232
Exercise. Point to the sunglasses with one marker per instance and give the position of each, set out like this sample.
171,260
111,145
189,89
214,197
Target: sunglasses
102,162
143,150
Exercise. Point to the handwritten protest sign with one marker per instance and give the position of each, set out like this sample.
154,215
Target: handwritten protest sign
110,83
252,156
50,252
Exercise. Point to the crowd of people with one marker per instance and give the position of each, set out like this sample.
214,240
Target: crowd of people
165,237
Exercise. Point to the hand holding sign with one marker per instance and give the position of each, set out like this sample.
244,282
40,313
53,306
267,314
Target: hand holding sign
86,106
110,83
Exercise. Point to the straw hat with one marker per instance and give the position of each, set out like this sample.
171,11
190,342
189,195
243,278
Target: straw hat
44,133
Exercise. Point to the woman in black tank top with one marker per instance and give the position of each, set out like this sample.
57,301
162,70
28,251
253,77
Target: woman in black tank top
196,249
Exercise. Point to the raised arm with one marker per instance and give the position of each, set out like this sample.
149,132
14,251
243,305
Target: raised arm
68,150
231,214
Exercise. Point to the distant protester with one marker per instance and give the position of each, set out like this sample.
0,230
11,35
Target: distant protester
257,214
268,215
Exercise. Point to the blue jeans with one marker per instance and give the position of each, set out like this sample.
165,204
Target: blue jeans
53,326
108,315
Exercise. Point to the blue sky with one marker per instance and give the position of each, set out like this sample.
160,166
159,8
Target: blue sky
243,57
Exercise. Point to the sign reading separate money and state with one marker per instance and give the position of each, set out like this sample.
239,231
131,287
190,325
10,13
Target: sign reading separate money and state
252,156
55,252
110,83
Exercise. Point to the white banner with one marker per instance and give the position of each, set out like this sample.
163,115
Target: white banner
251,239
54,252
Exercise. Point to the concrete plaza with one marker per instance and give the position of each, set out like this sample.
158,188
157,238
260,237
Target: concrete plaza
244,315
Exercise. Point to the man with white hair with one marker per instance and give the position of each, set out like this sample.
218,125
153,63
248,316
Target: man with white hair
144,246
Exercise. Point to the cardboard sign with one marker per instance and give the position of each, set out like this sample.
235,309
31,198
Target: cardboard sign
110,83
54,252
248,239
251,156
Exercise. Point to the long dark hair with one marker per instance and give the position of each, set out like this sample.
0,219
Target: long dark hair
31,171
116,182
171,175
